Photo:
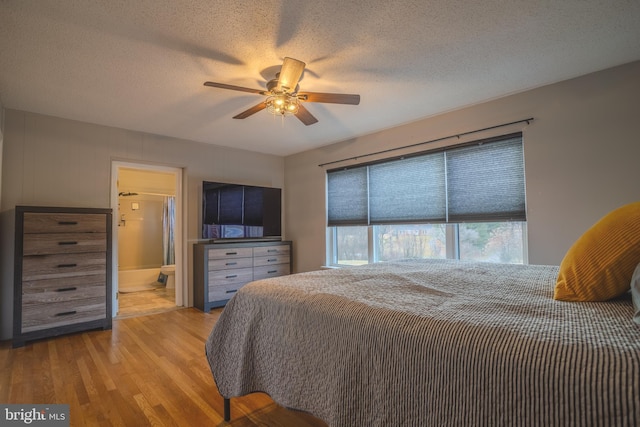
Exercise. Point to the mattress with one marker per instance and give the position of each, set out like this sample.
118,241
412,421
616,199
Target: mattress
430,343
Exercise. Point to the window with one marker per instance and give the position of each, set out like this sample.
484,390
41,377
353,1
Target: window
465,202
492,241
351,245
393,242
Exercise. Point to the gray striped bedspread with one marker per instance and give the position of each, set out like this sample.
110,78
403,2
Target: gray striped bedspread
430,343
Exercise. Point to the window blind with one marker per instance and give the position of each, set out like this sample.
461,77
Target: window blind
408,190
347,197
483,181
486,182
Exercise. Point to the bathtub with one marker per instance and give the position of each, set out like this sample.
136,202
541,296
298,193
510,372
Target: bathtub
138,280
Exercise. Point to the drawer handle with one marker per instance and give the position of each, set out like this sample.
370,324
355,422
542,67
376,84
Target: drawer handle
231,263
272,250
272,271
231,276
66,313
73,288
231,253
67,222
67,265
230,292
67,243
272,260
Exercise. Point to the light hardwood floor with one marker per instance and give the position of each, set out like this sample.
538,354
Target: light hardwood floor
141,303
146,371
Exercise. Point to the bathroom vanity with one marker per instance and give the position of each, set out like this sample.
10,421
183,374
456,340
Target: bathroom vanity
220,269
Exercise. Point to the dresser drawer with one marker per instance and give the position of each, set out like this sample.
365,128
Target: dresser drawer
225,292
63,289
51,315
227,277
269,260
266,271
271,250
63,265
63,243
229,263
223,253
64,223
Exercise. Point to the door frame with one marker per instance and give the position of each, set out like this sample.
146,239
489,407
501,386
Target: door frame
180,248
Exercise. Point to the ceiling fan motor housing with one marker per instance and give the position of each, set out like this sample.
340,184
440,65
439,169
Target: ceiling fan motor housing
273,84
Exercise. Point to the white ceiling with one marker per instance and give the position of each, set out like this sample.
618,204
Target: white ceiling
141,64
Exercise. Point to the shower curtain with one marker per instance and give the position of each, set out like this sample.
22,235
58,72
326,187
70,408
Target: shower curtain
168,224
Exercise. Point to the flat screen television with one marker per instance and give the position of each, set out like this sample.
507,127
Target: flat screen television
240,212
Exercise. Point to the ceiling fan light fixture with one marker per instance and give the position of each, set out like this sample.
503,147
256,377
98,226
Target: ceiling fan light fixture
282,104
283,98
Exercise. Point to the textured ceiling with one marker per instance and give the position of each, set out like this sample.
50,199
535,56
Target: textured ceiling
141,64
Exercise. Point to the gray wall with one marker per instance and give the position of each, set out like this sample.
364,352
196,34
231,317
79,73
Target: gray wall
50,161
581,159
580,155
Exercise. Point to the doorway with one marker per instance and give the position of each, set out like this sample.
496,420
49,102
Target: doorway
148,256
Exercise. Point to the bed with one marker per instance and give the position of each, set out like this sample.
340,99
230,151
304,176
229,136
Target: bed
430,343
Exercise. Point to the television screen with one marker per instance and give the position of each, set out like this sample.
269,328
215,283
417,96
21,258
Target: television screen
232,211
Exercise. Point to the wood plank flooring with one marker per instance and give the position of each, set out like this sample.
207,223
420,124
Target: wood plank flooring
147,371
142,303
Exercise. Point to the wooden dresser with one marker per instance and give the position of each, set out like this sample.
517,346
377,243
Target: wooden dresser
220,269
62,271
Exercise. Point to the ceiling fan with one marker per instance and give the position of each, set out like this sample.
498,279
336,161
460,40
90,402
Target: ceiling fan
283,97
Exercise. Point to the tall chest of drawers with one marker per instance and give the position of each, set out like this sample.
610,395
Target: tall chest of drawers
221,269
62,281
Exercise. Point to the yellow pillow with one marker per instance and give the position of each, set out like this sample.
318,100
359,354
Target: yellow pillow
601,262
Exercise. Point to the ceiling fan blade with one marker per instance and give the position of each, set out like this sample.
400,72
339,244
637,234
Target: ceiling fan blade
290,73
252,110
232,87
330,98
305,116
